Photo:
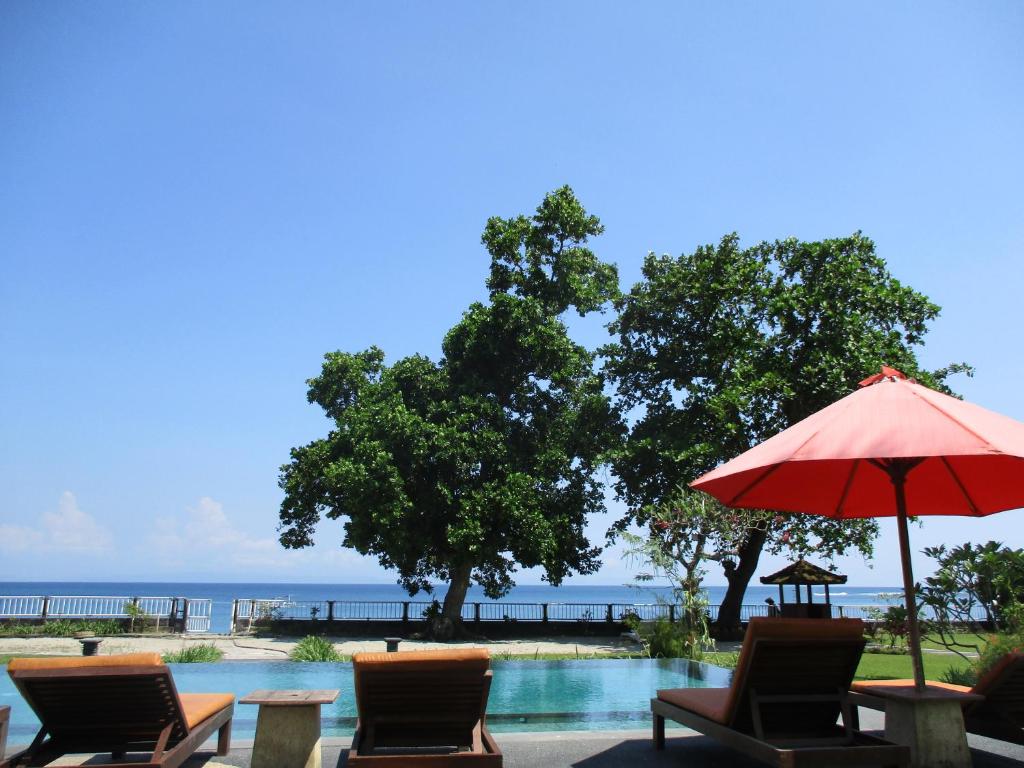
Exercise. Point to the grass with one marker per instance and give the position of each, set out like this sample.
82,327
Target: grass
875,666
194,654
313,648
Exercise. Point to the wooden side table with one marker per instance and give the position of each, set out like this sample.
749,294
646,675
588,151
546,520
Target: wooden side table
288,727
931,722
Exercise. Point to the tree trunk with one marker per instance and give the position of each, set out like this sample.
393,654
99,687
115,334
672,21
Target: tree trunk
727,626
449,623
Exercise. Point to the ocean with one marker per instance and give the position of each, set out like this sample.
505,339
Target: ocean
222,594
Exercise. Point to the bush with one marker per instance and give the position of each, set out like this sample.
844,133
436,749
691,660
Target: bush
194,654
998,646
61,628
666,640
959,676
313,648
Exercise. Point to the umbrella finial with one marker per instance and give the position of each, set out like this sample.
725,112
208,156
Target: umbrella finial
887,373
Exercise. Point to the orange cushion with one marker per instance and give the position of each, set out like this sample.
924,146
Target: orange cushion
198,706
874,687
712,703
78,662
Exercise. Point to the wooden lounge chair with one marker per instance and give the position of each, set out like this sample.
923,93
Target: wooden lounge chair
116,704
787,693
1000,715
423,708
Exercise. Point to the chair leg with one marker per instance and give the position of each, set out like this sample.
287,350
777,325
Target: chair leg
224,739
659,731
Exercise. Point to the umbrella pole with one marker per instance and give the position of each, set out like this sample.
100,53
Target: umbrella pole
909,594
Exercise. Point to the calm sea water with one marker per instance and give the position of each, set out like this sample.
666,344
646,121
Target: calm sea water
223,593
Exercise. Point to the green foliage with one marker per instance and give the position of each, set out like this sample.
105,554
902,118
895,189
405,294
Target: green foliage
134,612
989,576
194,654
683,532
61,628
720,349
466,468
959,676
314,648
667,640
893,623
997,647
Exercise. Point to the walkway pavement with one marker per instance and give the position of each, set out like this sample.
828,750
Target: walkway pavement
612,749
271,648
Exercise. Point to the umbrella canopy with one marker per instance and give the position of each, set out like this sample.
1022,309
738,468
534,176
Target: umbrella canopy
892,448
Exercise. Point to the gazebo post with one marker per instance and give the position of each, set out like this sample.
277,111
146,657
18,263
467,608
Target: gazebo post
782,596
810,599
796,588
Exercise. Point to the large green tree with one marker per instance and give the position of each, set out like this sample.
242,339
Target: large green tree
466,468
719,349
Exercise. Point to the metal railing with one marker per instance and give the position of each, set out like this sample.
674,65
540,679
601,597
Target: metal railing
193,615
249,611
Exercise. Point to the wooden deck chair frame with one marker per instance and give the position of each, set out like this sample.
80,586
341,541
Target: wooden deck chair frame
423,709
116,709
788,691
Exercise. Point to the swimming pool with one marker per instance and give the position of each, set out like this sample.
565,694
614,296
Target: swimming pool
596,694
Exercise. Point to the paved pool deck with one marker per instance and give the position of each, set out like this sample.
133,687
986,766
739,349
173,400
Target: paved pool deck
610,749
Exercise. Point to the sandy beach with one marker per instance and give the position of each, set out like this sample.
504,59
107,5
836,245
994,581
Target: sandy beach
267,648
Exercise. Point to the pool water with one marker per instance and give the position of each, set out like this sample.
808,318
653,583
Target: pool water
525,695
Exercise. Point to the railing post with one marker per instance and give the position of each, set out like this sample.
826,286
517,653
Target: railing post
545,615
405,612
234,616
476,613
608,616
330,610
840,611
46,607
184,618
172,619
672,613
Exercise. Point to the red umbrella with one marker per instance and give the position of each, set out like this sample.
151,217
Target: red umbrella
892,448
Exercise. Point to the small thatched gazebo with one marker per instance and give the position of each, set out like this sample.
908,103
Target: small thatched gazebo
802,573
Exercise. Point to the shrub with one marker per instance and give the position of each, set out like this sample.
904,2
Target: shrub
959,676
313,648
194,654
998,646
667,640
61,628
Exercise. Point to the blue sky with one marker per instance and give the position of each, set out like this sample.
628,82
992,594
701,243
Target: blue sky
198,200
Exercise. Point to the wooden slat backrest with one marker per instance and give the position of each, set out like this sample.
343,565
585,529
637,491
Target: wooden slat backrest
1003,689
421,701
97,704
812,657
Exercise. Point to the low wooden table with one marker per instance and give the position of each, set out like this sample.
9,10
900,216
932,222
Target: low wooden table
288,727
931,722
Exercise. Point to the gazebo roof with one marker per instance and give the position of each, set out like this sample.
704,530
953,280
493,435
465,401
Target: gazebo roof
802,572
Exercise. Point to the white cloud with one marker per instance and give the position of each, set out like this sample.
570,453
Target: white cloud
68,530
205,536
204,542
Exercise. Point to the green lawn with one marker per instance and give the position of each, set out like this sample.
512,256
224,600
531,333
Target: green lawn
875,666
885,666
